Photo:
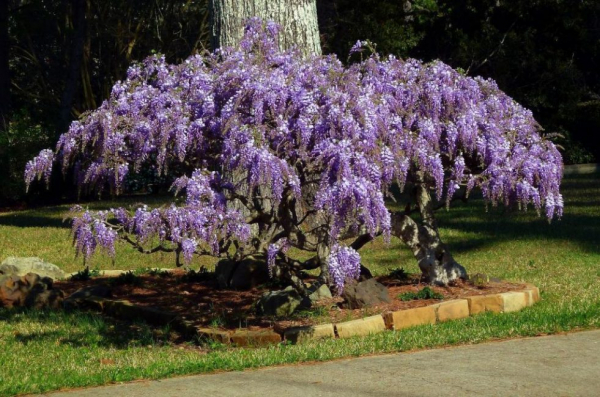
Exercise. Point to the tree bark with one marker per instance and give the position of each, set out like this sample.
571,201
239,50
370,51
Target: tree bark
435,260
74,72
4,70
298,20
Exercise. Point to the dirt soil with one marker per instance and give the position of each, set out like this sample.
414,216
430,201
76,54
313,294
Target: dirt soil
203,303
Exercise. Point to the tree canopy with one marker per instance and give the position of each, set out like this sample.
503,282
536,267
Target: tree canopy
277,150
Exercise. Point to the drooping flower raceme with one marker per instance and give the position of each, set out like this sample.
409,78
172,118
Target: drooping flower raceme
273,145
344,263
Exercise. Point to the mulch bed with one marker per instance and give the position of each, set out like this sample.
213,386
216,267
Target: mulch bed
205,305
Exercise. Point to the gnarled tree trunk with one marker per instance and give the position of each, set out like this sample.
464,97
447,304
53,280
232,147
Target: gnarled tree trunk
435,261
298,20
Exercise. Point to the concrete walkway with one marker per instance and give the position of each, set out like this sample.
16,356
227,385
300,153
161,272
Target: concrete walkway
561,365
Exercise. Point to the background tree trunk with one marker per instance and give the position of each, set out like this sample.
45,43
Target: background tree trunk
298,20
74,71
4,72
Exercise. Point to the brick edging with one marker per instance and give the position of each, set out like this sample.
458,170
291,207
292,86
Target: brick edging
432,314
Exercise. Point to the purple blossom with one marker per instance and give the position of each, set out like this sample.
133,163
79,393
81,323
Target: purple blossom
188,247
357,47
40,167
344,263
280,246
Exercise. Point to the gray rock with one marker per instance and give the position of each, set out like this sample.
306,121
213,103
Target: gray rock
81,299
249,274
364,294
21,266
318,292
278,303
100,291
30,290
7,270
223,272
243,275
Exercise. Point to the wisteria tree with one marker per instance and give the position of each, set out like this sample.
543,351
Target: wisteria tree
276,150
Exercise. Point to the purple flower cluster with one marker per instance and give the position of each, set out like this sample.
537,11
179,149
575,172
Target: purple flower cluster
91,230
198,226
334,138
40,167
344,264
280,246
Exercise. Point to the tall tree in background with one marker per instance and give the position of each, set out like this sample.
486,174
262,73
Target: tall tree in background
297,18
74,70
4,72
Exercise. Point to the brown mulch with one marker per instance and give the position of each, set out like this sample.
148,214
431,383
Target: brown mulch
204,304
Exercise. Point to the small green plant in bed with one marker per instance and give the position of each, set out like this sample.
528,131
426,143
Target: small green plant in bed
314,313
127,278
154,272
86,274
399,274
425,293
195,276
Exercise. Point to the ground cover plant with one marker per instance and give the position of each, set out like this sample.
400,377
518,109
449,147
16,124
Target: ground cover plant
424,293
276,151
86,349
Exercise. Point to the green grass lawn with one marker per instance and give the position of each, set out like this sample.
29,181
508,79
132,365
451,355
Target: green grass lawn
43,351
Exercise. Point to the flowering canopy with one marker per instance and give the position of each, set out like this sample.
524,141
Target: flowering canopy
305,148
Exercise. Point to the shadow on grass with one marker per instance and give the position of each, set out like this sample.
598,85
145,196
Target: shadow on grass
25,220
82,329
53,216
472,228
580,223
583,230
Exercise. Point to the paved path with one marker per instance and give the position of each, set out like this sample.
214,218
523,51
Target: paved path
561,365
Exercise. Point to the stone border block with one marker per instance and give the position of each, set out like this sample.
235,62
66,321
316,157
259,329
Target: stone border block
514,301
485,303
303,334
111,273
534,293
254,338
452,310
410,317
361,327
210,334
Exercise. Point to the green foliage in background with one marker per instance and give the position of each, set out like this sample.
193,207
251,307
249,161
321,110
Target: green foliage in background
24,138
